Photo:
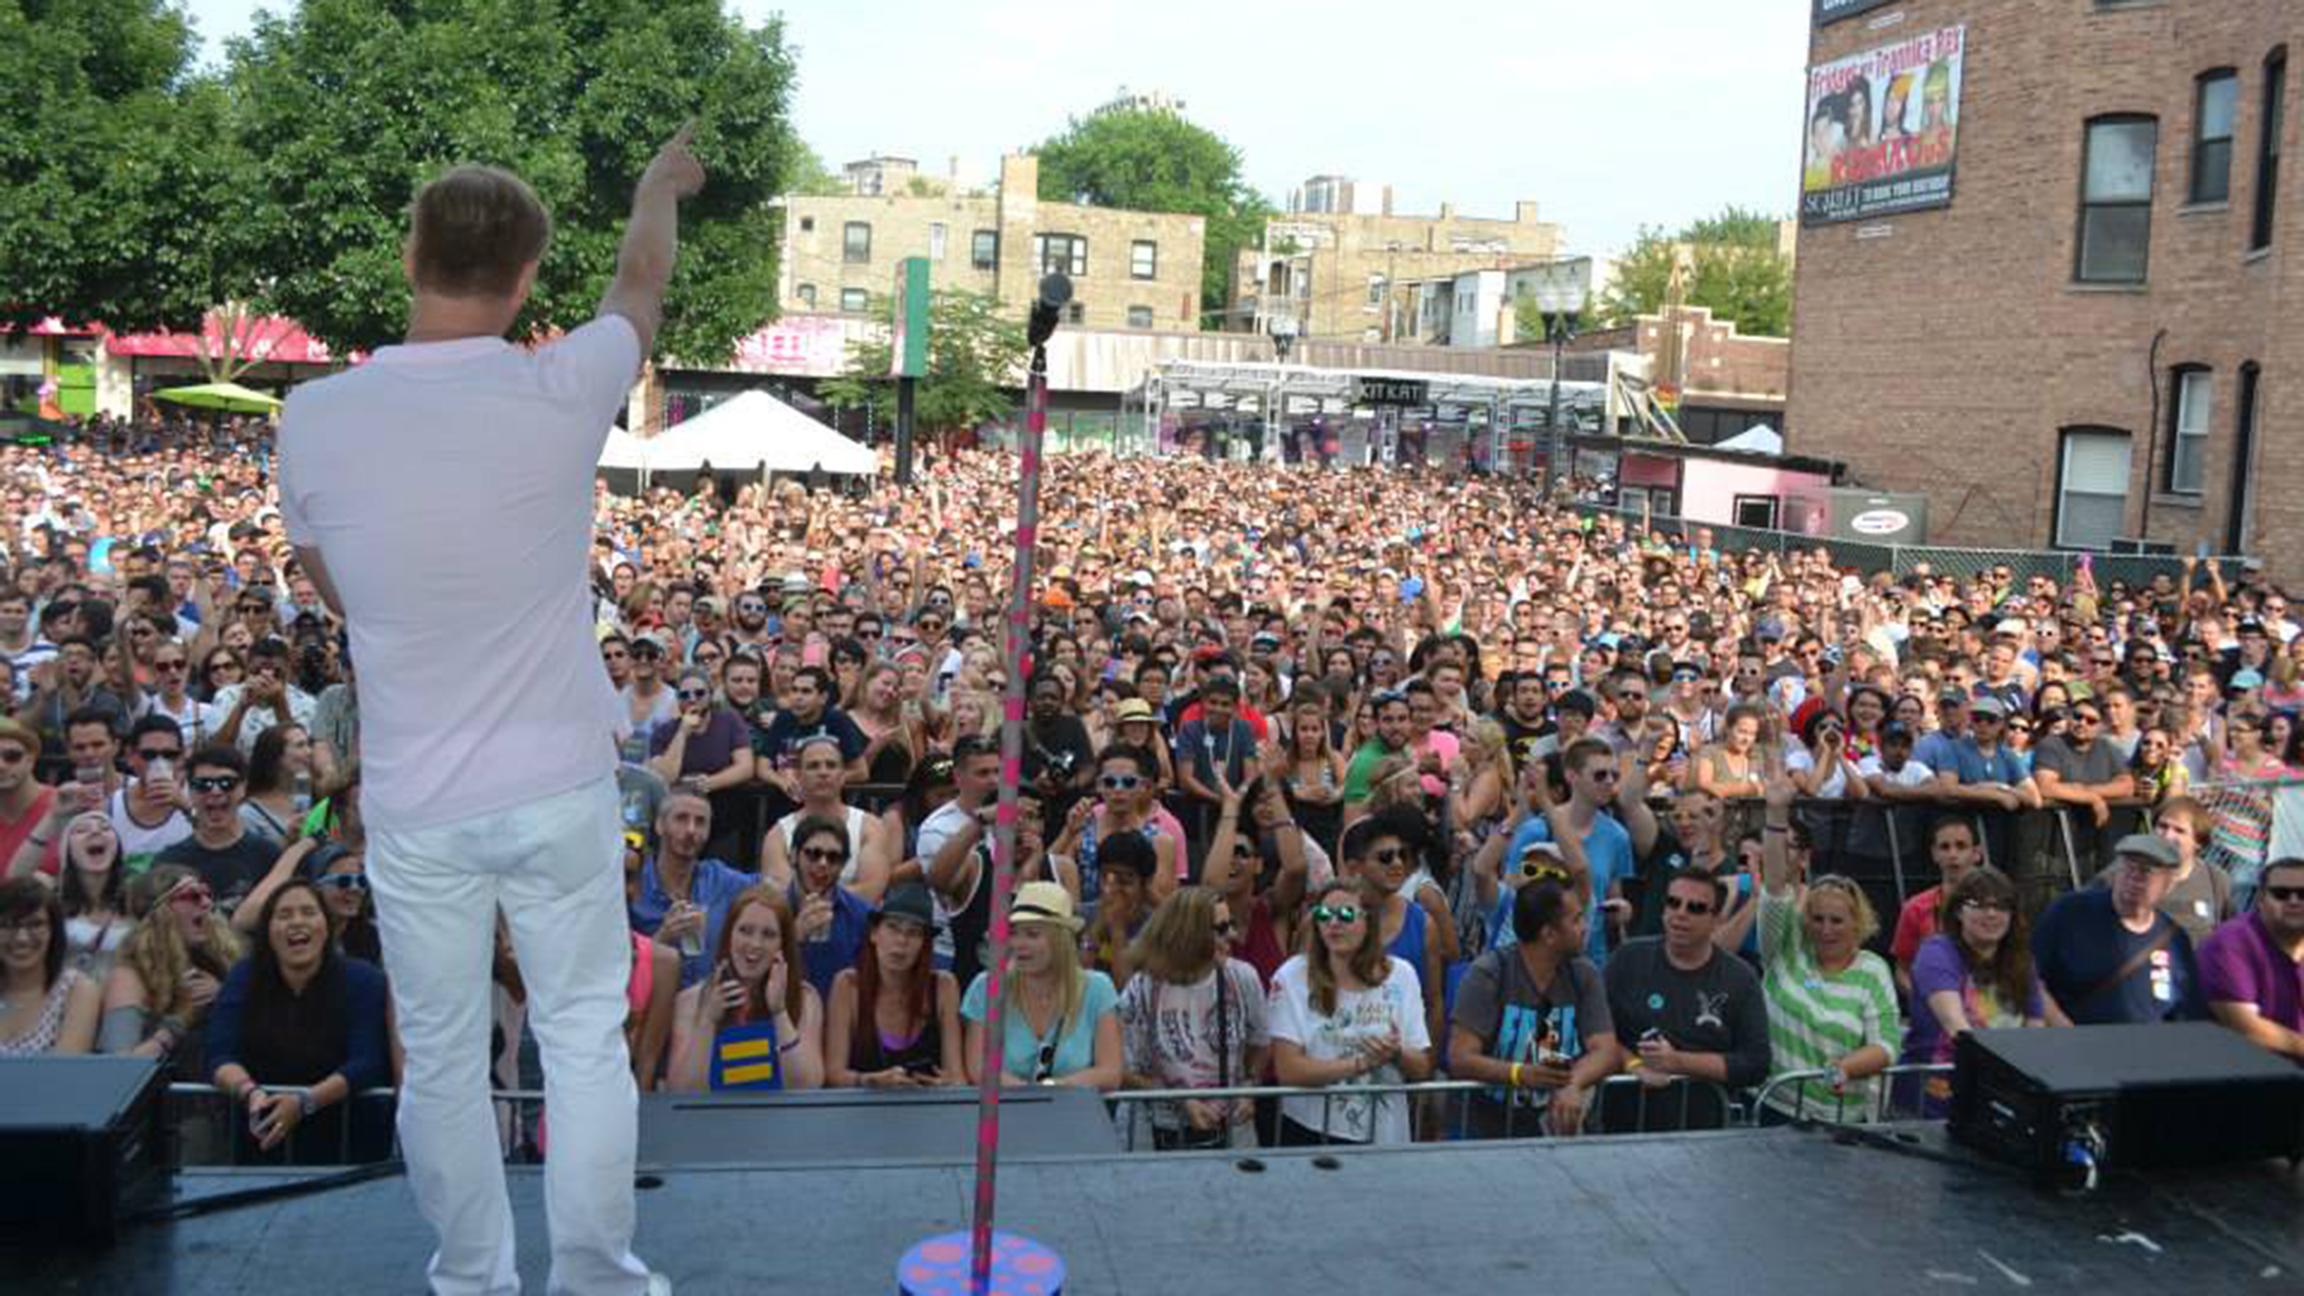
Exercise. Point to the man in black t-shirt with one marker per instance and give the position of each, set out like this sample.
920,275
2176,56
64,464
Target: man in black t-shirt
1059,757
1684,1008
777,744
228,857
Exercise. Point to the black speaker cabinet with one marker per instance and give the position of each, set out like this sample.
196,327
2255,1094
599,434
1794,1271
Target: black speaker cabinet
84,1143
2063,1102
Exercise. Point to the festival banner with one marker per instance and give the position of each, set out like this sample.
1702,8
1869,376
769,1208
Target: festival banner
1883,128
1832,11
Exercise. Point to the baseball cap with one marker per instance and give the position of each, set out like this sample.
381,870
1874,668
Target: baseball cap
1579,701
2148,848
1990,706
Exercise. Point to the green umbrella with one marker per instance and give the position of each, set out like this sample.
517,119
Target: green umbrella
229,397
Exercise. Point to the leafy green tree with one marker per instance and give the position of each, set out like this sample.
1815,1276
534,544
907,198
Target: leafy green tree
347,106
1733,268
1144,160
975,358
811,178
122,196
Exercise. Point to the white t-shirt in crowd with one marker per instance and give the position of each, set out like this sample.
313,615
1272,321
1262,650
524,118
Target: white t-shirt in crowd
1398,1004
448,488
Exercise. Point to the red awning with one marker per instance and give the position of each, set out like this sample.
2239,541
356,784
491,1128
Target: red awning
271,339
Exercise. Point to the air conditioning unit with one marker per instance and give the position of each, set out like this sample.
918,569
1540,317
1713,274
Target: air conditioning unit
2139,547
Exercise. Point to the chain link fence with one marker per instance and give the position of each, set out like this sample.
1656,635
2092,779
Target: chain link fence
1963,564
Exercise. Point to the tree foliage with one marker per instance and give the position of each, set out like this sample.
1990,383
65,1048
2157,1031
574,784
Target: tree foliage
974,356
121,187
1146,160
1733,268
346,106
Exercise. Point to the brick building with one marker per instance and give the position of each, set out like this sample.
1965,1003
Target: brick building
1725,382
2085,345
1337,273
1129,269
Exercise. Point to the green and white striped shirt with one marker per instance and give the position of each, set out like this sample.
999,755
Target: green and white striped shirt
1816,1018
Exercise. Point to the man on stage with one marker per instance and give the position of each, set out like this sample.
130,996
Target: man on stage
440,495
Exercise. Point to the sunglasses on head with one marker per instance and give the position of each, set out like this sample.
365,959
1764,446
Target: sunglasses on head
1335,914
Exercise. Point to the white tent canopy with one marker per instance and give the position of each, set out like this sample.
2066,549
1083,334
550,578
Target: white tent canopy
623,450
740,435
1762,439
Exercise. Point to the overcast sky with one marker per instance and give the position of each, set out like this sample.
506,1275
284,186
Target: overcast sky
1611,114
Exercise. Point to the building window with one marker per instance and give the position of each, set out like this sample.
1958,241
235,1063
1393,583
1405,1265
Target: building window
855,301
1064,254
2268,148
936,235
1139,317
2239,523
1143,259
2188,428
1076,313
1376,286
807,296
856,242
807,224
2212,109
984,250
1756,511
2116,200
2091,488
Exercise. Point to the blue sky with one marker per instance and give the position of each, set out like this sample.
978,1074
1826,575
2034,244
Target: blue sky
1609,115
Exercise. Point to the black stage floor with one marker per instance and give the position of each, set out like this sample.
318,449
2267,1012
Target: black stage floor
1778,1211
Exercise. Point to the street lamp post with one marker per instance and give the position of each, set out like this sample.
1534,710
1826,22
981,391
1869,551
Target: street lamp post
1560,290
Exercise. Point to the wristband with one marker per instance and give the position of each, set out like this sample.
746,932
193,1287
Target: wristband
304,1105
1775,828
1514,1080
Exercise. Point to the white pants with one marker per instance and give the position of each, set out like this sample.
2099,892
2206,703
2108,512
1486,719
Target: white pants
555,866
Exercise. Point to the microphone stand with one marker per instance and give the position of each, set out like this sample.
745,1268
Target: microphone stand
1055,291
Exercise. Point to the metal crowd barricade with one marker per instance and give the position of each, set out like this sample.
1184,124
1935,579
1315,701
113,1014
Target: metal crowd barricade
204,1119
1884,1102
1682,1103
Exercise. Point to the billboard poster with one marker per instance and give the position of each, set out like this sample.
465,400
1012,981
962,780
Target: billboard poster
1882,130
1832,11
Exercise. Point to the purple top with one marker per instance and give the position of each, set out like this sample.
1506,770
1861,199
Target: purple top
1938,966
2240,964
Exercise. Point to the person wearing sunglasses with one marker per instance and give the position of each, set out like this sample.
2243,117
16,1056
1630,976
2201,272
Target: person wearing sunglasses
2252,967
341,874
1594,778
709,747
1344,1012
1127,804
1193,1017
168,972
1975,973
1684,1007
227,854
170,694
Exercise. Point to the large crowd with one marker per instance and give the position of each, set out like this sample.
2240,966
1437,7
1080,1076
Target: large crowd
1331,777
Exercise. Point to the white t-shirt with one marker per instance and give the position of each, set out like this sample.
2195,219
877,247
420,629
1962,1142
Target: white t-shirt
448,487
254,721
1360,1014
1913,775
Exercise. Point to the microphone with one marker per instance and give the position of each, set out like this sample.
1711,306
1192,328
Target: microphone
1048,309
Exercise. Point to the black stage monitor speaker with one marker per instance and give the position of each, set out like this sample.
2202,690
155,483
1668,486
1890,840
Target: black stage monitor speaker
2064,1103
84,1143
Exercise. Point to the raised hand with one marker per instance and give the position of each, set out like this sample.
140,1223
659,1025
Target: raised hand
674,167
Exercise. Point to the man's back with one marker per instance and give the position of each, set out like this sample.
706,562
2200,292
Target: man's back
449,487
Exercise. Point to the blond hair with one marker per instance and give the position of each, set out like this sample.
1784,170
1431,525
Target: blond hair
156,952
473,231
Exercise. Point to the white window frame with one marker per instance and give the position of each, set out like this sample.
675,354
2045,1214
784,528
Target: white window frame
937,236
2195,398
1143,259
2069,440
